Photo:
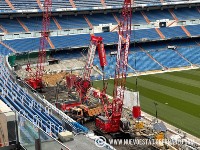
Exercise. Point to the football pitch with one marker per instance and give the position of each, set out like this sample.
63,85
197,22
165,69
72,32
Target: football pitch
176,93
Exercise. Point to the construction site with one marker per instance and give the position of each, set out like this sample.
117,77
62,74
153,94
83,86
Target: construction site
123,95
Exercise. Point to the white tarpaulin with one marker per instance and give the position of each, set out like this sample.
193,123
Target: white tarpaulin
131,99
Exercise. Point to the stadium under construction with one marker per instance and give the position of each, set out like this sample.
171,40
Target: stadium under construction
99,74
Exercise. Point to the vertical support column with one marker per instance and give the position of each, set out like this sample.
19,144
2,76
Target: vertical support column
38,144
16,131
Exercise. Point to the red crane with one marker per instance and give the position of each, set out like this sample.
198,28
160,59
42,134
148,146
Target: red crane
82,83
110,123
35,78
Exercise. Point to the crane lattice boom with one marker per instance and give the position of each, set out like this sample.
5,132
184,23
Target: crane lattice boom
113,110
44,37
123,50
35,78
95,41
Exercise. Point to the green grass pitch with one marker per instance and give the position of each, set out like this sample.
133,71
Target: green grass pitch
177,95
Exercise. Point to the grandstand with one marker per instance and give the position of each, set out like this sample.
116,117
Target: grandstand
157,25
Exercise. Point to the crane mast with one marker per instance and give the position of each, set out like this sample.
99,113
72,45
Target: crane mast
111,121
35,81
122,57
44,37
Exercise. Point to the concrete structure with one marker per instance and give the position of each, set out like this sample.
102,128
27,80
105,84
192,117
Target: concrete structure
7,118
65,136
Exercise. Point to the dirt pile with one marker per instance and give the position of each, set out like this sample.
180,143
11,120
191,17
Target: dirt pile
52,79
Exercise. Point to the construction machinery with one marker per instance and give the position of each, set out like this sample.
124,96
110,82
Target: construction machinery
35,77
112,121
82,84
83,110
83,113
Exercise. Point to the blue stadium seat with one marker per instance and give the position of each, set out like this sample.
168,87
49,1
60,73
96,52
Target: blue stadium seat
154,15
173,32
193,29
109,37
137,18
118,3
24,45
11,25
72,22
59,4
4,51
144,34
97,19
191,53
24,4
35,23
141,62
71,40
186,13
4,6
169,58
87,3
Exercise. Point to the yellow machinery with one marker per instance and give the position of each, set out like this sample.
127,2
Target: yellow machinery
84,113
139,125
159,136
